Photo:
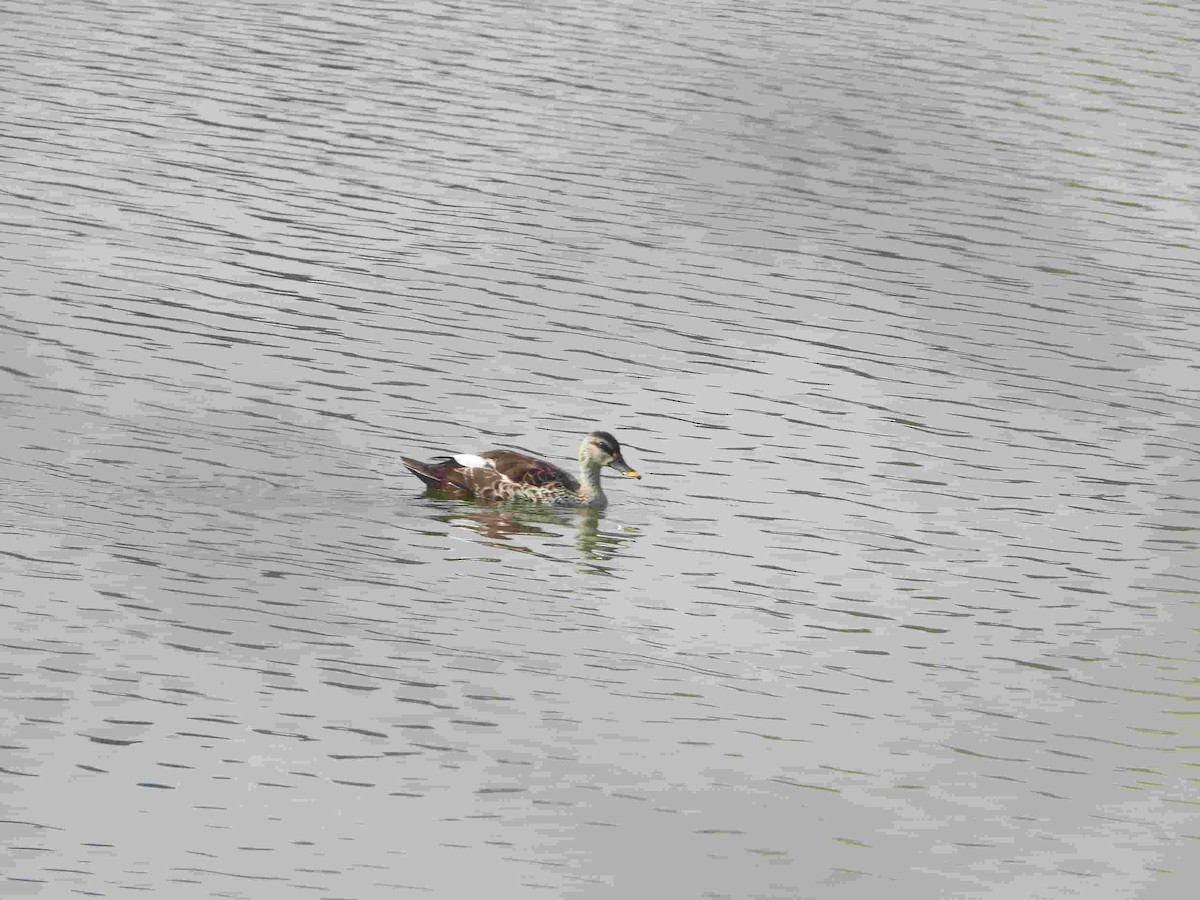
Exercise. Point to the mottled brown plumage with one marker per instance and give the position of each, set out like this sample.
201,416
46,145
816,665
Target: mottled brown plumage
508,475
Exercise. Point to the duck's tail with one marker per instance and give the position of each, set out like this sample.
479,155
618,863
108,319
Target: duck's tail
434,474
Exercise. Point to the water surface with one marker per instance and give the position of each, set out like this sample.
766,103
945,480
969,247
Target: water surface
893,304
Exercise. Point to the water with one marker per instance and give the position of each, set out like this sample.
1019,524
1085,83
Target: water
893,304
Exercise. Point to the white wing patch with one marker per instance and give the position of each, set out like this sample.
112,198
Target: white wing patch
471,461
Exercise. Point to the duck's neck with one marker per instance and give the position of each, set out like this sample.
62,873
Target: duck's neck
590,491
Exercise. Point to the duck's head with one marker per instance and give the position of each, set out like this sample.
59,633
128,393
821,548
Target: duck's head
601,449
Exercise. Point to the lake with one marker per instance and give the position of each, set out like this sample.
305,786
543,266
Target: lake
893,305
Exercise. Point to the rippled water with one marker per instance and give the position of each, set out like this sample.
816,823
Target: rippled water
893,303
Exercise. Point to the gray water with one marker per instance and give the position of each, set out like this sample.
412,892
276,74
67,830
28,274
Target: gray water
893,303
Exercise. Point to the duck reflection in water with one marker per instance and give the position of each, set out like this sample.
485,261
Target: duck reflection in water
500,524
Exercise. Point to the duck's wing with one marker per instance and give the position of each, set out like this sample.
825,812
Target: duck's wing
464,475
528,470
486,483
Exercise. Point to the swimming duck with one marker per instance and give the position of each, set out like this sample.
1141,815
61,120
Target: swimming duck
508,475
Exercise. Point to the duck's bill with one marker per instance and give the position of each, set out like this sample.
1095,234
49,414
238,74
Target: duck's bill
624,468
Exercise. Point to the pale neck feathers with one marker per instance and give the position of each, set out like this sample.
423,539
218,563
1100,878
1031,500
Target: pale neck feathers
590,490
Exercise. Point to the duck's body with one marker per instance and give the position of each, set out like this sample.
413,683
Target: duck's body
508,475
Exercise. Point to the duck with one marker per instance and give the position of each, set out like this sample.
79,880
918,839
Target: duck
508,475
